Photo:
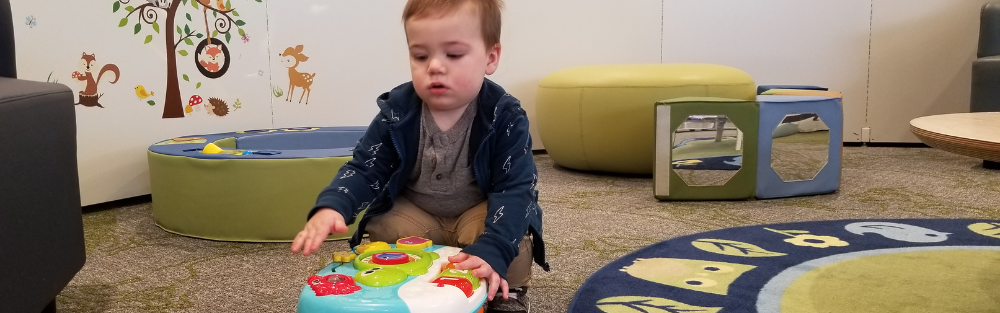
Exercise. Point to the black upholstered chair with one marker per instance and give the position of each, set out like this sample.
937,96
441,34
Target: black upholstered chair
41,230
986,68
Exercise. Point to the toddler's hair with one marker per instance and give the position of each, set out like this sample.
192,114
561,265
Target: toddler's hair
489,14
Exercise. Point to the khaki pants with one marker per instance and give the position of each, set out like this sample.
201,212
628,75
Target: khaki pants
406,219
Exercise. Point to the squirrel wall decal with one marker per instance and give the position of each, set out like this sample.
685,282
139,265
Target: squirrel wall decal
88,65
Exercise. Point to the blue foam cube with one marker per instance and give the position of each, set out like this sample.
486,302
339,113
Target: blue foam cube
799,110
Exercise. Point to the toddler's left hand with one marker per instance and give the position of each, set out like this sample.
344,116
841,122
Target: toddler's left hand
465,261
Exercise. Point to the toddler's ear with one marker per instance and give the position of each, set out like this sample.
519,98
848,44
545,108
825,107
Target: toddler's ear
492,59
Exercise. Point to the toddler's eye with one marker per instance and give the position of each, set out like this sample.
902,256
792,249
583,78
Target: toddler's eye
420,57
454,56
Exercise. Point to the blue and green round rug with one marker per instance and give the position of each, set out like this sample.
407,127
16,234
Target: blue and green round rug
857,266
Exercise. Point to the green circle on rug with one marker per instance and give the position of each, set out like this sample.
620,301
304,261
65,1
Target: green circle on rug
949,281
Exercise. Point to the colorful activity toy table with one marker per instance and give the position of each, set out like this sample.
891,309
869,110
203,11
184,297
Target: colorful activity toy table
412,275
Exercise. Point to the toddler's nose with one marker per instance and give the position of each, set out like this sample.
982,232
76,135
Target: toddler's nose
435,66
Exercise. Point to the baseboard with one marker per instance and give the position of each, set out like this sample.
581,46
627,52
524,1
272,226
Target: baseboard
118,203
898,144
887,144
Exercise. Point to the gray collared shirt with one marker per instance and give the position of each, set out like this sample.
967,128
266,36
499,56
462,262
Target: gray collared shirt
442,182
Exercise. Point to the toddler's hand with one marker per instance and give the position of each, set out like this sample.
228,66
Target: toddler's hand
320,226
465,261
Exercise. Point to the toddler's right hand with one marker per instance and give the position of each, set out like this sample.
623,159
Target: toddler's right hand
320,226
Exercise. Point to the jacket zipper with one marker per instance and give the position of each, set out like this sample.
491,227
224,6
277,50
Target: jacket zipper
475,167
402,162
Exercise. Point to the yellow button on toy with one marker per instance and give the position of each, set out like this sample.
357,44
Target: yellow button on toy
413,242
211,148
373,246
343,256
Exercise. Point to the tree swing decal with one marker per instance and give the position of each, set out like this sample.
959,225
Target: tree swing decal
210,55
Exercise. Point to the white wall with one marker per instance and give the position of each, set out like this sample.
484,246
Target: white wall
540,37
112,141
893,59
921,62
821,43
356,48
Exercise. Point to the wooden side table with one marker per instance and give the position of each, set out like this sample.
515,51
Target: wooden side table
970,134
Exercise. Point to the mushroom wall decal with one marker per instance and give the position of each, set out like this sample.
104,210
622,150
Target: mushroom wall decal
192,102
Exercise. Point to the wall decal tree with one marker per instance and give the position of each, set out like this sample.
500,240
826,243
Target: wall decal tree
211,55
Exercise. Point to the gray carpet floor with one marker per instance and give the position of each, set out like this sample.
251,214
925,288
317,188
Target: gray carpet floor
590,220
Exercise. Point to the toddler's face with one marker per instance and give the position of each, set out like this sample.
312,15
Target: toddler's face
448,58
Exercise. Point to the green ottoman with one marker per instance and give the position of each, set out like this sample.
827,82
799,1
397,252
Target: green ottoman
600,118
258,190
706,149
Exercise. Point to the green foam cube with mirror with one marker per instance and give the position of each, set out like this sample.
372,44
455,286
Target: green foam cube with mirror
706,149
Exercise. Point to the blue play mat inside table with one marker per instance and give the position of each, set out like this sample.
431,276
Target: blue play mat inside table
281,143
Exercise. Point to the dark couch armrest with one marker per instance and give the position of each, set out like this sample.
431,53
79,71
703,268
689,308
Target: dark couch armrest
8,66
989,30
985,95
41,229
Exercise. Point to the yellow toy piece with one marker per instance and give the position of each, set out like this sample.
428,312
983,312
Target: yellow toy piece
414,243
211,148
343,256
373,246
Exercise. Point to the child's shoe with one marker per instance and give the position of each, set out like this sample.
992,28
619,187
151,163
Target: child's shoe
516,302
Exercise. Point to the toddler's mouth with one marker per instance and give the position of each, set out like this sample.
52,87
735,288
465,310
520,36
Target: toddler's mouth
438,88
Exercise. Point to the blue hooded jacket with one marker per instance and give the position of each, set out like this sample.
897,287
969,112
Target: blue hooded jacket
502,162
